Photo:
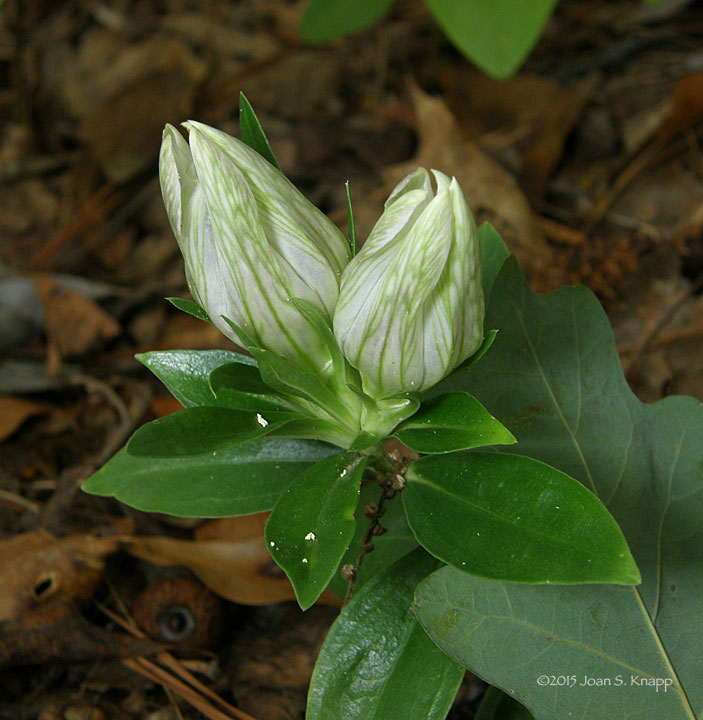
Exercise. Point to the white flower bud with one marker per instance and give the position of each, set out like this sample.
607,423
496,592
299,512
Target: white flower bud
410,307
250,241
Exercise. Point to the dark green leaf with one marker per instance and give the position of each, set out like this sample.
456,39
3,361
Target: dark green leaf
190,307
523,636
455,421
556,381
185,372
253,134
493,254
198,430
496,35
325,20
313,522
245,479
377,663
513,518
397,541
240,386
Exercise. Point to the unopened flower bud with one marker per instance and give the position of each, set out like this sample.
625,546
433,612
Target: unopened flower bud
410,307
250,241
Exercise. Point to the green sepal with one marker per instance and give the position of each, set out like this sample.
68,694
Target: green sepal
253,134
190,307
240,386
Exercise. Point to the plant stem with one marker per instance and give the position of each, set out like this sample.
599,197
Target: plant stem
392,482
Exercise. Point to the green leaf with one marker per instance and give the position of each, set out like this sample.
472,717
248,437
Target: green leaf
190,307
524,635
240,386
496,705
325,20
186,372
513,518
377,662
313,522
198,430
397,541
253,134
496,35
556,381
245,479
493,254
455,421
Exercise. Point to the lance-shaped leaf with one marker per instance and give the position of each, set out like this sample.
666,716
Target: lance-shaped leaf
194,431
313,522
186,372
556,380
513,518
377,663
240,386
245,479
455,421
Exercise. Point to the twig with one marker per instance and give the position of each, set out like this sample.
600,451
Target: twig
392,483
177,669
18,501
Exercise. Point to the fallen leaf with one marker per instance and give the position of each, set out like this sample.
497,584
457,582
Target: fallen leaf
62,634
38,570
14,411
160,89
74,324
229,556
491,191
536,111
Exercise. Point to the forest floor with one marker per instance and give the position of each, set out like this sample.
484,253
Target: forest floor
589,162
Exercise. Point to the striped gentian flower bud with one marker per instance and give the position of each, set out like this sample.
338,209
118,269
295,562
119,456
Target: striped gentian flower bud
250,241
410,307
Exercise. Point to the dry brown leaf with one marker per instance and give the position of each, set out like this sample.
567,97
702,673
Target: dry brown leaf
39,571
74,324
229,555
14,411
492,193
536,111
124,129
